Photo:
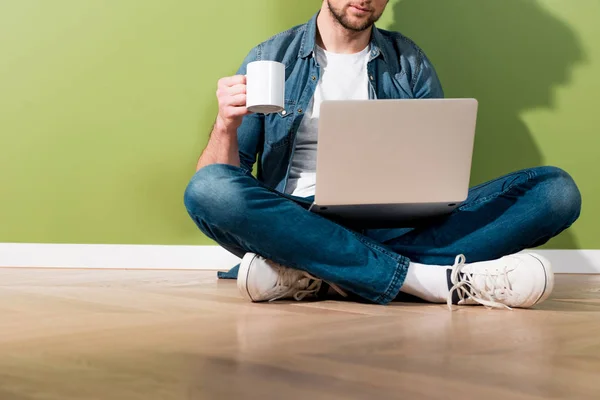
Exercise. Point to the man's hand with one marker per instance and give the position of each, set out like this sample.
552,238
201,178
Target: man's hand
222,147
231,95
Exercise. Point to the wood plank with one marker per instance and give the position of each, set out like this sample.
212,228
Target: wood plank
119,334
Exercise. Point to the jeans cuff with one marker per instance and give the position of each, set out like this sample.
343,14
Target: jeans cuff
397,281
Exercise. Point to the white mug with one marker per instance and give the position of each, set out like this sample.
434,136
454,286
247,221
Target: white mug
265,86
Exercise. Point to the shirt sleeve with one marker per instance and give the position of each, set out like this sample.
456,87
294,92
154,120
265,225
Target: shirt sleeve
250,134
426,83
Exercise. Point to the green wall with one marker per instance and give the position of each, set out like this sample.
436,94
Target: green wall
106,105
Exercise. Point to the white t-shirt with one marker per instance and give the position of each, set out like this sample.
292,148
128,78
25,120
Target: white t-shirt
343,77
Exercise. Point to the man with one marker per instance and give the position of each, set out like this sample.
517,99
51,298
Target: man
289,252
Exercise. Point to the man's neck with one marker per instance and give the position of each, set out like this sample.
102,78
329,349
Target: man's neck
333,37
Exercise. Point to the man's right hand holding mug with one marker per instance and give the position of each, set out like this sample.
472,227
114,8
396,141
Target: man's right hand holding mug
231,96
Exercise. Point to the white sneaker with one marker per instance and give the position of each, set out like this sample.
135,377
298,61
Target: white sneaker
519,280
260,279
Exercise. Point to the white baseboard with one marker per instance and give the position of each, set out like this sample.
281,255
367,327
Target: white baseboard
115,256
198,257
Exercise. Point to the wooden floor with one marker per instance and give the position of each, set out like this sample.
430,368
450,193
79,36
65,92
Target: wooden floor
70,334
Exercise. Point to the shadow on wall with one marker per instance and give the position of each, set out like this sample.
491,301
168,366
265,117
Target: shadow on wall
510,55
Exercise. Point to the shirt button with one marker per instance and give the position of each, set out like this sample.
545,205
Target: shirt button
283,112
372,77
314,78
300,110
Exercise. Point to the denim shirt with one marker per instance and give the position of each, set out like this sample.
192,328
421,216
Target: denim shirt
397,69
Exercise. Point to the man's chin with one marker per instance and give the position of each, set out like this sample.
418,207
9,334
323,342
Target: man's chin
357,24
353,22
360,27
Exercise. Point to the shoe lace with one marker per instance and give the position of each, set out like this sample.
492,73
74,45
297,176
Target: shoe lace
291,283
464,285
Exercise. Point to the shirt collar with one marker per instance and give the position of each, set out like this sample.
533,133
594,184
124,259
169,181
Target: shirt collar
307,46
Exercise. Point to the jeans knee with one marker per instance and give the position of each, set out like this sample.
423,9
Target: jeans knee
214,196
560,196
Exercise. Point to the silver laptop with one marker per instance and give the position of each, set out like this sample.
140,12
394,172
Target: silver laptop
383,163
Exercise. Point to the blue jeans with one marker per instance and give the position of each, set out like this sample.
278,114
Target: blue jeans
504,216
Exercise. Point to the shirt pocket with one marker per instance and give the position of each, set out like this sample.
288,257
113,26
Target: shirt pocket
278,126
